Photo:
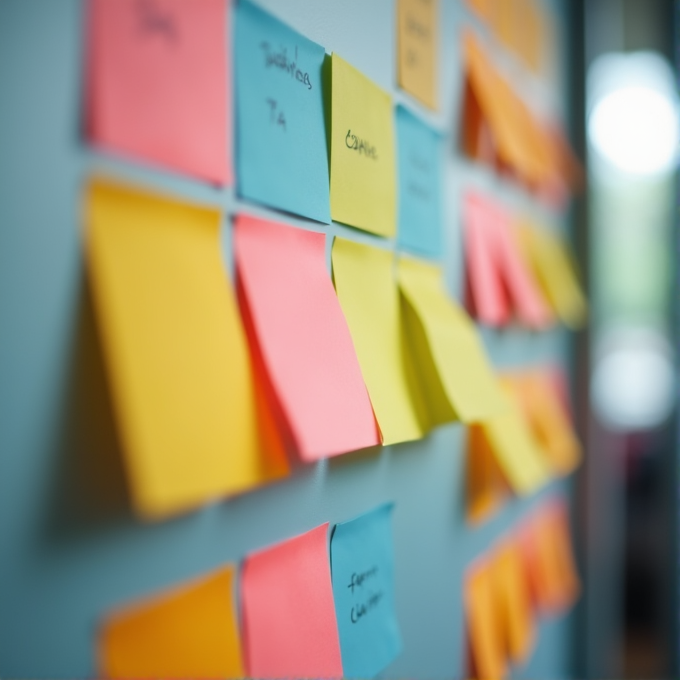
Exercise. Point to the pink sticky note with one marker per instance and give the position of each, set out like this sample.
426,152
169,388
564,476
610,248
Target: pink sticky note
488,300
158,83
303,338
289,624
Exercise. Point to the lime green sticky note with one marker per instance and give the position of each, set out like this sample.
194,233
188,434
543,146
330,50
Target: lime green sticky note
363,167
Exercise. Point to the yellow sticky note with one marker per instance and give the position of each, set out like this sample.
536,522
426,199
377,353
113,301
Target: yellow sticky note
363,166
484,631
369,297
175,351
513,596
515,450
554,270
417,42
189,632
454,346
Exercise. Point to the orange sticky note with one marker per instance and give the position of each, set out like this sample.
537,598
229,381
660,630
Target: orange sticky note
303,338
176,354
187,632
158,83
484,630
288,612
513,598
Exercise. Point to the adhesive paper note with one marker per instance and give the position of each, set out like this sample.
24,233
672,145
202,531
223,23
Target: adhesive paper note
485,487
420,163
513,598
187,632
158,83
418,42
288,615
553,268
363,170
509,438
362,564
454,346
369,298
175,351
483,625
281,154
303,338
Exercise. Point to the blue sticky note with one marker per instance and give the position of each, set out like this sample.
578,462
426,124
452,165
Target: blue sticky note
281,153
362,568
420,163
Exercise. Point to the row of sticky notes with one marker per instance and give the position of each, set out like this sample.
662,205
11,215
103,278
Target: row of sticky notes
302,615
523,453
528,573
212,389
498,128
313,135
517,270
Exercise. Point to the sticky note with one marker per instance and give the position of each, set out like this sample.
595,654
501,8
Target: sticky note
513,599
281,154
418,42
188,631
369,297
463,368
362,564
175,351
288,615
158,83
483,625
516,452
420,161
303,338
363,170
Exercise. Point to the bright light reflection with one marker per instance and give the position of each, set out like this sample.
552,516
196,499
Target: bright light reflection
636,129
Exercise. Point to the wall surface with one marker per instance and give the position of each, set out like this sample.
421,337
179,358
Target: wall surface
69,546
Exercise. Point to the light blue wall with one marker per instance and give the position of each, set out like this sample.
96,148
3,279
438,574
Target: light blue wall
67,552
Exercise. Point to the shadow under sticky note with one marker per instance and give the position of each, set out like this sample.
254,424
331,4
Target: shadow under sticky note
281,154
369,298
420,163
289,625
188,632
158,82
417,43
175,352
303,338
362,565
363,170
464,371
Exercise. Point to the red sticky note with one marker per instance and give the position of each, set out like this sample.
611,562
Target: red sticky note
289,624
303,338
158,83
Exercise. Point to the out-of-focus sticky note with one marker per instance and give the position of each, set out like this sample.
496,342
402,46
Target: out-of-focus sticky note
175,350
513,599
369,297
509,438
190,631
288,615
362,564
158,83
303,338
281,154
484,630
420,162
485,486
468,383
549,421
363,168
554,271
417,42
